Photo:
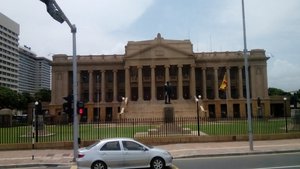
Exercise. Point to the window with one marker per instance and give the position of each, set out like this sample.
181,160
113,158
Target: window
132,146
111,146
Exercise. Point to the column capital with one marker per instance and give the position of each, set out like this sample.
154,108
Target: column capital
216,68
228,67
167,66
180,65
115,70
102,71
203,68
193,65
152,66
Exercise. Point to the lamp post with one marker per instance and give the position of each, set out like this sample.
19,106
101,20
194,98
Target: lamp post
56,13
36,103
198,118
250,134
285,114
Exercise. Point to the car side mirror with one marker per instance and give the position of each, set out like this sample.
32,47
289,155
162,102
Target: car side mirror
145,149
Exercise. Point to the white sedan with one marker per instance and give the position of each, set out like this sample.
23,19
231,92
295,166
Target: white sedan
122,153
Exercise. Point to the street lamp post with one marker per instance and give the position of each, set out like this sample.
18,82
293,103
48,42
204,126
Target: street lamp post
285,114
198,118
55,11
250,134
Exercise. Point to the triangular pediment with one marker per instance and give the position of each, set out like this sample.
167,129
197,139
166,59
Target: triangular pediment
159,51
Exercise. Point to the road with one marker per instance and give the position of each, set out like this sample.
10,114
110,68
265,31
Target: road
263,161
260,161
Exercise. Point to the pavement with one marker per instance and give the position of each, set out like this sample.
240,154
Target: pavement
52,158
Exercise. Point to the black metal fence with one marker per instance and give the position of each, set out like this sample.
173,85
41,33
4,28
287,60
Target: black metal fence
154,127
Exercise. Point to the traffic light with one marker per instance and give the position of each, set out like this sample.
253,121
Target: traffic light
67,106
80,106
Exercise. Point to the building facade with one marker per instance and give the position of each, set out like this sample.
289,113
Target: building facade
141,73
9,52
34,72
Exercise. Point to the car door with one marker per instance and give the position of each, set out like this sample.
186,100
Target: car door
135,155
111,154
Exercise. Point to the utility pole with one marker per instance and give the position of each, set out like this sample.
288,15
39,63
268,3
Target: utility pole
250,133
56,13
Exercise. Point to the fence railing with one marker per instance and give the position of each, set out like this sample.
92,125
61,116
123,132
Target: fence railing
154,127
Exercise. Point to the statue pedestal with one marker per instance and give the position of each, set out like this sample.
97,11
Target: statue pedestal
169,114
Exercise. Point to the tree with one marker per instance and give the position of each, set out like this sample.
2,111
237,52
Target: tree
277,92
8,98
43,95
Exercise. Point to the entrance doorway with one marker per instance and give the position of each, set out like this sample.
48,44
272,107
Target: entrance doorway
108,115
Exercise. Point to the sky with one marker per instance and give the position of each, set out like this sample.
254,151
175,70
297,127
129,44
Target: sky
105,27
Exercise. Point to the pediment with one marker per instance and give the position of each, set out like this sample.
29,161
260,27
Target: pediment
159,51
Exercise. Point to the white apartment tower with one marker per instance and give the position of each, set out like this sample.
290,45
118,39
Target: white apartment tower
9,52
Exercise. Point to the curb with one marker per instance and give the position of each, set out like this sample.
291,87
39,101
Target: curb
237,154
32,165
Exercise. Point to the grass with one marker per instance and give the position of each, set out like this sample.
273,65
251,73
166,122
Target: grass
57,133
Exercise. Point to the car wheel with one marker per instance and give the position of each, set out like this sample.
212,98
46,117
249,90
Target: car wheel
99,165
157,163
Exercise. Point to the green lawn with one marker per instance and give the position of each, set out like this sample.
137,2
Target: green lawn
57,133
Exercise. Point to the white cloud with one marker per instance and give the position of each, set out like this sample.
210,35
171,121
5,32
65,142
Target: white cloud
283,74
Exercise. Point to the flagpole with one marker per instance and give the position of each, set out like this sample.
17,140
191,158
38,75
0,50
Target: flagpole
250,134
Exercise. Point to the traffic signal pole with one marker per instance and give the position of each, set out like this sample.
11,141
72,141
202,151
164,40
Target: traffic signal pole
55,11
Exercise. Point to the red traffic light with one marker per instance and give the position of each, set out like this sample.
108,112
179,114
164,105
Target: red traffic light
80,111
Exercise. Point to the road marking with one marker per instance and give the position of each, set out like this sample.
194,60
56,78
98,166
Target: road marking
284,167
73,167
174,167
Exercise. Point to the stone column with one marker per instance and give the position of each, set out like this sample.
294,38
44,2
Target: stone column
103,86
115,90
192,81
180,85
140,83
241,95
153,87
228,90
204,83
54,88
91,91
216,83
127,82
167,73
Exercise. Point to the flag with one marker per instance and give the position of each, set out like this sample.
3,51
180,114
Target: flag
223,85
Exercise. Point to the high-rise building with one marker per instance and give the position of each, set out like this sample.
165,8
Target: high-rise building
34,72
9,52
43,70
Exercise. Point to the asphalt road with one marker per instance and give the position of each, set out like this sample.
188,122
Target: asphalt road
263,161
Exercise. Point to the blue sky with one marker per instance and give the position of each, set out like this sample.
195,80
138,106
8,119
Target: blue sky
105,26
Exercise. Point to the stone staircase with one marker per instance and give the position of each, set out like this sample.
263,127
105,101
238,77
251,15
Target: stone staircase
149,109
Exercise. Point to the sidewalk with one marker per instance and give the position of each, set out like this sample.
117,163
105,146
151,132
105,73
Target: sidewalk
10,159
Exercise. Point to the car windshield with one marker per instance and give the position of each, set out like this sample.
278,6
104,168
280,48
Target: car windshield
92,145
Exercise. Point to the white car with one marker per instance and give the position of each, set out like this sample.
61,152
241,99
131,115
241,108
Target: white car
122,153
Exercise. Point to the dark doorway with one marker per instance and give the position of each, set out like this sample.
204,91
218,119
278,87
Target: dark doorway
224,110
236,111
212,111
108,115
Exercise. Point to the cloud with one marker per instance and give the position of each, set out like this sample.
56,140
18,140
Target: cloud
283,74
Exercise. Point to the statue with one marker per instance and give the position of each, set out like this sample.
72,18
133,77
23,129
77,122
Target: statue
167,93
